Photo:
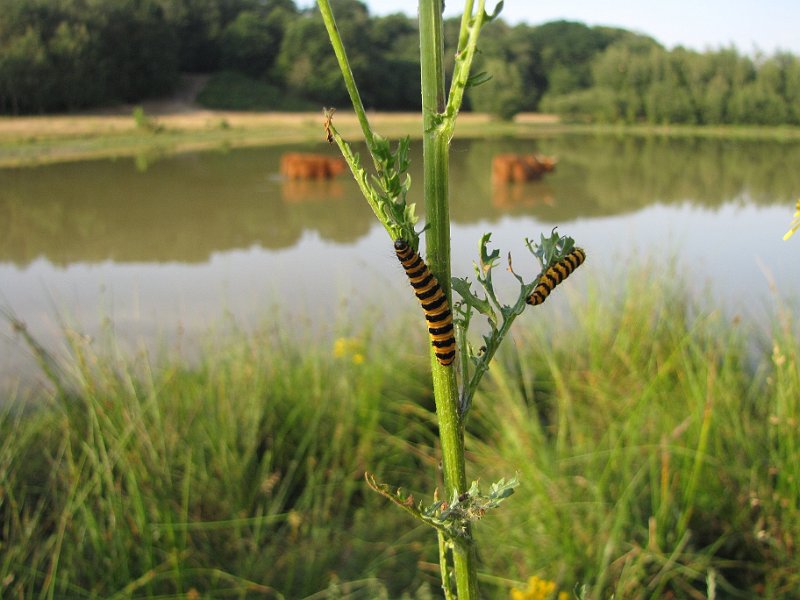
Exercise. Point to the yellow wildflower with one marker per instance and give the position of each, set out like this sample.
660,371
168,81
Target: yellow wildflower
340,347
538,589
349,347
795,222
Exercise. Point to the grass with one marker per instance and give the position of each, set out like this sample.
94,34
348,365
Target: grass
653,448
656,442
30,141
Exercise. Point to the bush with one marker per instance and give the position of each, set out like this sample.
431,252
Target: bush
230,90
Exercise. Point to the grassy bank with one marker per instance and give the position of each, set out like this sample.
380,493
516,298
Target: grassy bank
29,141
655,442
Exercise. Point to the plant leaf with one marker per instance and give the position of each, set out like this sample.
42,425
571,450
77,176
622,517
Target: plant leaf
482,305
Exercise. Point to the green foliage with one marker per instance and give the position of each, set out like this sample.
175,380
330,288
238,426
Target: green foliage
502,95
652,447
450,517
248,44
377,50
567,50
634,80
230,90
66,55
386,191
145,122
499,316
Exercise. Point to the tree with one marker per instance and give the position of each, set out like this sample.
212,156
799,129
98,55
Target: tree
791,74
23,63
307,67
502,95
248,44
624,70
71,83
394,82
715,101
567,51
198,25
147,63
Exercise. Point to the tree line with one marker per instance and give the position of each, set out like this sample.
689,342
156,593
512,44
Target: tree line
73,54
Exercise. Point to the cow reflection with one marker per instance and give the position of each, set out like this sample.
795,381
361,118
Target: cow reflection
513,195
296,191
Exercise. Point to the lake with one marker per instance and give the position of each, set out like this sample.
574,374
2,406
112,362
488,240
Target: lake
168,249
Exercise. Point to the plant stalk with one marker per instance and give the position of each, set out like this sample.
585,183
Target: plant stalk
347,72
435,150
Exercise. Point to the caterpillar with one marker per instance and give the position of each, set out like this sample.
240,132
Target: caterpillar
555,275
433,301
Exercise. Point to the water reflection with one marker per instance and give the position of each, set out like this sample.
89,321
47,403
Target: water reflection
186,208
179,242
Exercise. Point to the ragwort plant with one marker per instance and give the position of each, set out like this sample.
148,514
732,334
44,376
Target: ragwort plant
456,366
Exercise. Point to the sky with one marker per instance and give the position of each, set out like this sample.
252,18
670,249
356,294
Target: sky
750,25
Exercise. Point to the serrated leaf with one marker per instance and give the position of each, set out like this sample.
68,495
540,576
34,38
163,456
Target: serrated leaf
502,489
406,185
406,502
462,288
551,249
488,259
403,160
381,148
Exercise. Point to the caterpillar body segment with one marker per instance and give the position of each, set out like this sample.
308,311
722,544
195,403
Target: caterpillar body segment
555,275
433,300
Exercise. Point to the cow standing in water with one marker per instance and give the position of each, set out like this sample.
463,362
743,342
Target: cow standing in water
519,168
297,165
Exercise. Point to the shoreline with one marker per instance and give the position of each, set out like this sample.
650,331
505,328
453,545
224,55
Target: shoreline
37,140
170,128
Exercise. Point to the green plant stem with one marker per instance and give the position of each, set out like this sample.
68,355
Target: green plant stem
435,150
344,66
447,587
467,45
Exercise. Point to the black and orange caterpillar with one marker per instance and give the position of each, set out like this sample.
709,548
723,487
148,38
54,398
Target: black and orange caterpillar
433,301
555,275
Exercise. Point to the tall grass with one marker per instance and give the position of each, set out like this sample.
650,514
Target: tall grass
241,476
657,455
656,442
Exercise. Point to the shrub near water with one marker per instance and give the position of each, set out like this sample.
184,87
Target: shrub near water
229,90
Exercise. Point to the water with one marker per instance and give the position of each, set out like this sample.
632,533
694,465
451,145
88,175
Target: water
166,251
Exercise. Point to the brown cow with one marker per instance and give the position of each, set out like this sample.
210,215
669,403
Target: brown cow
518,168
297,165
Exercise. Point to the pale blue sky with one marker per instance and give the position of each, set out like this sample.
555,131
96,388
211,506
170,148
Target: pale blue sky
750,25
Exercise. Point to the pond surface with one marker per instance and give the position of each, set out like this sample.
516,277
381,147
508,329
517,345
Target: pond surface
173,247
